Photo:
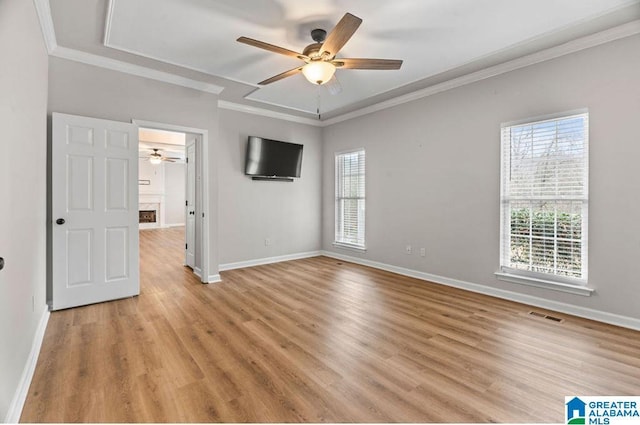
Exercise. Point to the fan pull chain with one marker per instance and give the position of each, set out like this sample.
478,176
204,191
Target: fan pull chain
318,108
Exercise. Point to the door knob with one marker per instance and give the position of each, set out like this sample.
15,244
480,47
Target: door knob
60,221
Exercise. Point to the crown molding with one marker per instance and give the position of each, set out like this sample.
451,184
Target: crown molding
223,104
43,10
593,40
107,25
137,70
46,23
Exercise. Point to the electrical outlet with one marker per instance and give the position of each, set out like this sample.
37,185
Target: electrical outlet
423,252
267,242
408,249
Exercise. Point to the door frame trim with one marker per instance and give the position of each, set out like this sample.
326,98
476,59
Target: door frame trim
198,164
204,260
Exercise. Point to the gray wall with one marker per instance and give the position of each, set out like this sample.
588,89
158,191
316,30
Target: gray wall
153,173
80,89
286,213
250,211
23,102
433,173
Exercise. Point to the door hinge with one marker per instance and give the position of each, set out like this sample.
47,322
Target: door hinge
202,215
186,246
186,203
187,159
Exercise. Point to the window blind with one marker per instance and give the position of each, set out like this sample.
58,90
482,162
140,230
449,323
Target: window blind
350,198
544,197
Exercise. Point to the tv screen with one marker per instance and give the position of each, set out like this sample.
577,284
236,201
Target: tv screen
271,158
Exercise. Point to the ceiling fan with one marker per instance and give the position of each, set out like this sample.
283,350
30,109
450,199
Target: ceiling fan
320,57
156,157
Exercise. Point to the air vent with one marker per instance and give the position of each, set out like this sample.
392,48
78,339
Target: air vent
555,319
545,316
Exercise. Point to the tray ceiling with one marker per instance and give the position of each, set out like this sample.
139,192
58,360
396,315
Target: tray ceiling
431,36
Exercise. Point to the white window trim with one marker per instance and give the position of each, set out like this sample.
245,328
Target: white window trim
545,283
542,280
545,117
340,244
350,246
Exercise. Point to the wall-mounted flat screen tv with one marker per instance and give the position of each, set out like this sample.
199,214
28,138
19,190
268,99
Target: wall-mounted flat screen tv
272,159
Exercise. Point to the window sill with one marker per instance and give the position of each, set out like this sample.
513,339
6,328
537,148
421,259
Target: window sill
547,284
350,246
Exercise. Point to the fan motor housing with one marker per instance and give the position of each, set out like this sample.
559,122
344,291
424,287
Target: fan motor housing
318,35
312,50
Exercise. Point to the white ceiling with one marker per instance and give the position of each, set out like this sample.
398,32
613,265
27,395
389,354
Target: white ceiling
168,143
433,37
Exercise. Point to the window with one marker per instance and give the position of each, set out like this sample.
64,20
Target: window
350,199
544,199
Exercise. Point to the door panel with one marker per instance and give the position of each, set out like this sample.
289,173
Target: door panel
80,181
117,139
117,253
79,256
117,184
95,196
78,135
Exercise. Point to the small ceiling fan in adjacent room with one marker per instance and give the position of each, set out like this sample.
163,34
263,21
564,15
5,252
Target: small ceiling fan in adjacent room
156,157
320,57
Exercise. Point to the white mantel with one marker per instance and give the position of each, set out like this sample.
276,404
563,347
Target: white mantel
157,194
152,201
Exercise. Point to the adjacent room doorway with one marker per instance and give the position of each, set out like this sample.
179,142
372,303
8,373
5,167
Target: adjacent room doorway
186,148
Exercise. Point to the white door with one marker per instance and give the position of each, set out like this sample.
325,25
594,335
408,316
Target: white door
94,208
190,204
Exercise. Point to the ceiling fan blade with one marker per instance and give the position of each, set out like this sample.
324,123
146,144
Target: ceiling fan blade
360,63
271,47
339,36
168,160
278,77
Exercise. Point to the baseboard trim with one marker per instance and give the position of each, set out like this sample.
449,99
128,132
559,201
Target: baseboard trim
17,404
268,260
197,271
587,313
213,278
173,225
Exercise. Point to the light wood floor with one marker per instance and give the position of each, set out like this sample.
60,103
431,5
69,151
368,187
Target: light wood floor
316,340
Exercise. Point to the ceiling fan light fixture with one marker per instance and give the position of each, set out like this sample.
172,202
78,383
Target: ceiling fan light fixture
320,56
318,72
155,160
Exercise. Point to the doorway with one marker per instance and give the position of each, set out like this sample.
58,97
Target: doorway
173,183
